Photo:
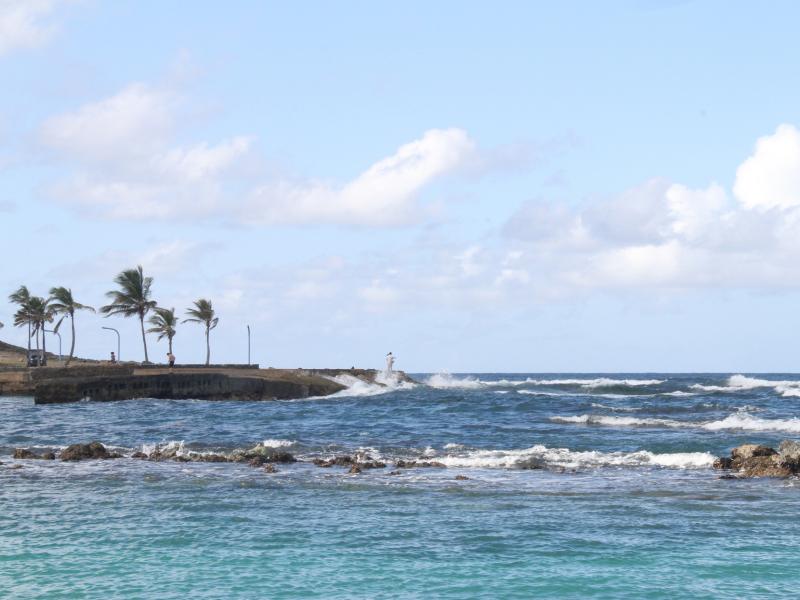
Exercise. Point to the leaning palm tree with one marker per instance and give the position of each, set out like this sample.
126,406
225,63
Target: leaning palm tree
62,303
21,298
164,323
131,299
203,313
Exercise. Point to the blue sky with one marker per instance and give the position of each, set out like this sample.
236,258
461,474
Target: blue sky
512,186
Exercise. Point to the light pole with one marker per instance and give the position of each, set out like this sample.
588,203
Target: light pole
60,356
118,338
248,345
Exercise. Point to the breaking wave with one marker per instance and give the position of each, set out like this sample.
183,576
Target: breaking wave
540,456
741,383
358,387
737,421
447,381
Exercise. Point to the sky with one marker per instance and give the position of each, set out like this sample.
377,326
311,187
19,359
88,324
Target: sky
474,186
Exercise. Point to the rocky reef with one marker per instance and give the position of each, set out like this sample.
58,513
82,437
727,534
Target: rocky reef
755,460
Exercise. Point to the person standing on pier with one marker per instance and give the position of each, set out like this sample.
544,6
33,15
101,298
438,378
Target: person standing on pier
389,363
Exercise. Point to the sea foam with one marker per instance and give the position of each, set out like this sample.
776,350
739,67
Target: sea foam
541,456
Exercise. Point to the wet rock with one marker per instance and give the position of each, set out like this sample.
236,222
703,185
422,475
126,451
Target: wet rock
15,467
355,470
25,453
372,464
410,464
462,478
789,451
271,455
764,466
723,462
336,461
139,455
394,473
748,451
754,460
211,458
270,468
93,450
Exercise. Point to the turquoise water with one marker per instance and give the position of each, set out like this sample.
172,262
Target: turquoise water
580,486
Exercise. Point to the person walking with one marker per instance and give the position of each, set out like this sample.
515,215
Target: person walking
171,359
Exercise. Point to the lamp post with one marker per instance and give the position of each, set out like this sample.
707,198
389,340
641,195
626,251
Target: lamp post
118,339
60,356
248,345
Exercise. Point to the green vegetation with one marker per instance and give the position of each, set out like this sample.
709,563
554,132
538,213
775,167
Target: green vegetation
131,298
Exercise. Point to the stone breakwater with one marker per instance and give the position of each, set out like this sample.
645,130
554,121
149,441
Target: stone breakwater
103,383
265,457
754,460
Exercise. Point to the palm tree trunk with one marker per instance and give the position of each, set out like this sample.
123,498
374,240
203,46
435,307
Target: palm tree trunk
170,344
208,349
72,345
144,339
29,337
44,347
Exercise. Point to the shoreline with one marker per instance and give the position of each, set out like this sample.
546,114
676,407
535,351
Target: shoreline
105,383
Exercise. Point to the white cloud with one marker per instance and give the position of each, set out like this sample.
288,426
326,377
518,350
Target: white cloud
127,165
383,195
770,178
24,24
134,122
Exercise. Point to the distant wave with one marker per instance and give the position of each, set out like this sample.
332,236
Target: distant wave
447,381
540,456
740,383
270,443
737,421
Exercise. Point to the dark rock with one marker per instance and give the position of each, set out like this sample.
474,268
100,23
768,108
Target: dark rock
94,450
211,458
48,456
373,464
24,453
410,464
139,455
747,451
723,462
270,468
271,455
462,478
355,470
337,461
394,472
764,466
789,452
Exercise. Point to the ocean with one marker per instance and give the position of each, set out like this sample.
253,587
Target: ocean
577,486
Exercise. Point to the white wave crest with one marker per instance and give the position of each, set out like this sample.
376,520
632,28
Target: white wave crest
616,421
540,456
740,383
444,381
599,382
358,387
738,421
747,422
273,443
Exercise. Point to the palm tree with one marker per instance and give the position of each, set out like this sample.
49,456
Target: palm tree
203,313
164,323
21,298
38,313
62,303
132,298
